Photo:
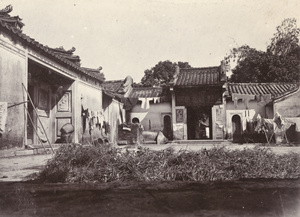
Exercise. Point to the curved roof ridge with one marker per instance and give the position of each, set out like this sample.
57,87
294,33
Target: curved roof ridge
114,81
147,88
265,83
37,45
275,89
199,76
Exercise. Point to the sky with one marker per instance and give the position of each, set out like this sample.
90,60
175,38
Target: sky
128,37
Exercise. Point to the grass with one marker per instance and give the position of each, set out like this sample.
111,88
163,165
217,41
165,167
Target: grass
90,164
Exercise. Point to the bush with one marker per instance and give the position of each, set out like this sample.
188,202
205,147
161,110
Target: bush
108,164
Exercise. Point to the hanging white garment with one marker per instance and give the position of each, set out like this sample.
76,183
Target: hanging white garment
156,99
143,102
148,102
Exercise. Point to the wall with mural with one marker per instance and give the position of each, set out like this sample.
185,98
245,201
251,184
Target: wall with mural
179,121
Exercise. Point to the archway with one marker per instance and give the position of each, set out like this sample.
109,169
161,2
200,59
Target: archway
236,128
167,131
135,120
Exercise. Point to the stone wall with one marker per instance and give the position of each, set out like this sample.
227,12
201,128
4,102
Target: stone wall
13,73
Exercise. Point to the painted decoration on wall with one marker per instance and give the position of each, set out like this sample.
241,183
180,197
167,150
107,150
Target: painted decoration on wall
43,100
64,104
179,115
219,114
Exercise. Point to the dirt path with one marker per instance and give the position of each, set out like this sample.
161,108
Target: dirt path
18,168
196,147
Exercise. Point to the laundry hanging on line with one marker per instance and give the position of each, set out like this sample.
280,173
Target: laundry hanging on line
145,102
156,100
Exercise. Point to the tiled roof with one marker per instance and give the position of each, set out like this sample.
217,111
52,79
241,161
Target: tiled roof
14,22
198,76
113,86
145,92
95,72
275,89
67,54
15,30
114,95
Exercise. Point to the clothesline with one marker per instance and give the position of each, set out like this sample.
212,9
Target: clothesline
146,101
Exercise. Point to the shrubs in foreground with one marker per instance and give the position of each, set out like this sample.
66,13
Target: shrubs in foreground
109,164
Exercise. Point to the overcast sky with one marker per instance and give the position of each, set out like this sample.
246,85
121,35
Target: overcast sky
127,37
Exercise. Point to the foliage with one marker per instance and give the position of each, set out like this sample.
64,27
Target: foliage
161,73
264,67
286,39
109,164
281,62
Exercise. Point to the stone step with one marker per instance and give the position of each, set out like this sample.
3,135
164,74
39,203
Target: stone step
199,142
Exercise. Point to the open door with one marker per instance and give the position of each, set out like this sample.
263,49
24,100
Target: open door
167,130
236,128
51,94
30,118
43,111
39,120
63,109
199,121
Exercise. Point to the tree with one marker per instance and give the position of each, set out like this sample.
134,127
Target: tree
263,67
286,39
281,62
161,73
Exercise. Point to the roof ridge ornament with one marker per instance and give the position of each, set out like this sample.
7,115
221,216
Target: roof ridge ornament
14,22
63,50
6,10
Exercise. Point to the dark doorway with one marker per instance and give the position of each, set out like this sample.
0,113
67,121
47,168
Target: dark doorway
30,117
135,120
199,123
236,128
167,131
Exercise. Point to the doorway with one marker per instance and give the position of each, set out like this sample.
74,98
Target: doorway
199,125
51,94
30,118
167,130
236,128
